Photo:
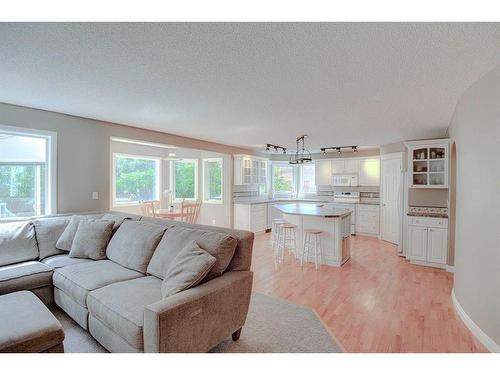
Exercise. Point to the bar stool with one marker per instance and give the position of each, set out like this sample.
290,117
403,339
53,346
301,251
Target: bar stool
312,238
275,231
288,236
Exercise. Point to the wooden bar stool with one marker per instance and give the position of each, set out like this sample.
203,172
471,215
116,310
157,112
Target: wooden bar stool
287,239
312,238
275,231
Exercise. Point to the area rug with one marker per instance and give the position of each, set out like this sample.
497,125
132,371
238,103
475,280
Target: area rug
273,326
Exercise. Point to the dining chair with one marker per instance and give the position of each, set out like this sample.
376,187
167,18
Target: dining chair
190,211
148,208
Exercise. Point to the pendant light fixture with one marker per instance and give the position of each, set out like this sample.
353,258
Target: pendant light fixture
301,155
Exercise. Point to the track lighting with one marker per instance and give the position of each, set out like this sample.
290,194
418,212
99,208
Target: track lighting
275,147
339,149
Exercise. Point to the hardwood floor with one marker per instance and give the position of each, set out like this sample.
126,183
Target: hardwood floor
377,302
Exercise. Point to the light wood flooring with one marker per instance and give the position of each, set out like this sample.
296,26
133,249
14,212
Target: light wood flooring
377,302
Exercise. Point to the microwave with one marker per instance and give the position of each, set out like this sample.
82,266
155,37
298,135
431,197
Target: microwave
345,180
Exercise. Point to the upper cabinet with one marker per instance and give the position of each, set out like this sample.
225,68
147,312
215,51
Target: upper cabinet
369,172
367,169
250,170
428,163
323,172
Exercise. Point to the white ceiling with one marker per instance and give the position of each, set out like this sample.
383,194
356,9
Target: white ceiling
250,84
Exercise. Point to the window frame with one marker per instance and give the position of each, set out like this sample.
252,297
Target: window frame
301,180
205,180
293,193
113,180
50,164
172,179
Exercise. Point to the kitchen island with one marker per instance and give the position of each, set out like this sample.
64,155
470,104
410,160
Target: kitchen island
333,222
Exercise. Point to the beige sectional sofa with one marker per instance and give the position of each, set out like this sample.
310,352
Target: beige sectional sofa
118,299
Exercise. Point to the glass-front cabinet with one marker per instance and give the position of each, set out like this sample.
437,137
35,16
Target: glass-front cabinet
428,163
250,170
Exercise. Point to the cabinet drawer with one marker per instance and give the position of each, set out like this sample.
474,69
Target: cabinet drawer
428,221
259,208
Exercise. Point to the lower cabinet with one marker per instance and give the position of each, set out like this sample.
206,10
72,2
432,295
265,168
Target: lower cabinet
252,217
428,241
368,219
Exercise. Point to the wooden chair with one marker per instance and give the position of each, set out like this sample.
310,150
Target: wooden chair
190,211
148,207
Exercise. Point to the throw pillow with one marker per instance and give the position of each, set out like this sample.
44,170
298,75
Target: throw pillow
91,239
64,242
187,269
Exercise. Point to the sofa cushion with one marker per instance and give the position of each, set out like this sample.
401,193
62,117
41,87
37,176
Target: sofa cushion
17,242
48,231
62,260
24,276
219,245
187,269
79,279
66,240
120,306
118,219
91,239
133,244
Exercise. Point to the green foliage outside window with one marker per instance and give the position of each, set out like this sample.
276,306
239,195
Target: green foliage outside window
282,179
213,169
135,179
185,180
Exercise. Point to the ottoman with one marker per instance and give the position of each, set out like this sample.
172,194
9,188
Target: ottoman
27,325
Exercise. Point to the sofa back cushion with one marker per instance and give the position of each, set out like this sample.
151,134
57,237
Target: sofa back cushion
118,219
91,239
242,258
48,231
133,244
66,240
17,242
219,245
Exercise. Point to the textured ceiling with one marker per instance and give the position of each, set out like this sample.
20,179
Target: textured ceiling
249,84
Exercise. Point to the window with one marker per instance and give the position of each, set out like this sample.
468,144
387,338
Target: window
185,179
212,180
307,185
136,178
27,172
283,177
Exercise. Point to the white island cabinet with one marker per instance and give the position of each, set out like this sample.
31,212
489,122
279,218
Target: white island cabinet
252,217
334,223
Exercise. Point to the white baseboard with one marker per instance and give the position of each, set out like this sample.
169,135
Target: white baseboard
450,268
491,345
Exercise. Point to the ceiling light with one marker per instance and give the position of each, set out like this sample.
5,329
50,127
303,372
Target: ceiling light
284,151
267,147
301,155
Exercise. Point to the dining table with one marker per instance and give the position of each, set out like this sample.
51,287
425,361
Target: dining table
166,213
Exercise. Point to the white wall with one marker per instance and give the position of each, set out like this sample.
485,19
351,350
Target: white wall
476,130
84,150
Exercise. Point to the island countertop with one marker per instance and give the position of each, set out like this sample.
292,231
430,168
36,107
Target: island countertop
312,209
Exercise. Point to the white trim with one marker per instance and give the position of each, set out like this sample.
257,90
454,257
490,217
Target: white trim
142,143
51,161
487,341
114,204
450,268
196,178
204,182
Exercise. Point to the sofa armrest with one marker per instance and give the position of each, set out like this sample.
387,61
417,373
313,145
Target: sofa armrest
199,318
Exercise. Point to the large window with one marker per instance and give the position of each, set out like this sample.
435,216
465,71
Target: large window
212,180
307,184
184,179
283,177
136,178
27,172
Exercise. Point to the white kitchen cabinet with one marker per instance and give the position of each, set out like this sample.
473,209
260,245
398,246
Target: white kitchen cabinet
323,172
428,163
351,166
251,217
428,241
337,166
368,219
250,170
272,213
369,172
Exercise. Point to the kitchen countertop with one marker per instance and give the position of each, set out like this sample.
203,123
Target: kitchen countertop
310,209
275,200
439,212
